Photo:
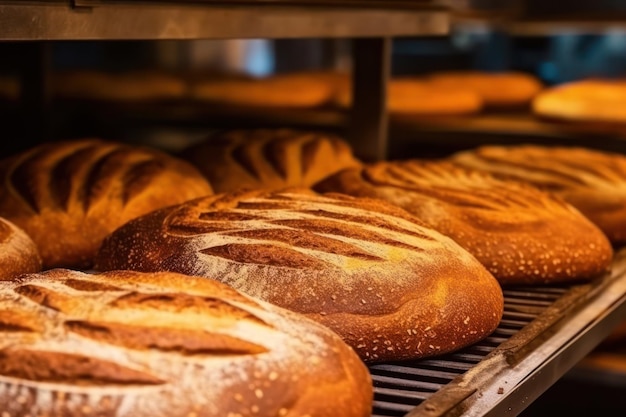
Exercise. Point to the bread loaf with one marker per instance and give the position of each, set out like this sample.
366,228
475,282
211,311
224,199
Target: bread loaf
521,234
592,100
392,288
592,181
131,86
496,89
127,344
294,90
68,195
266,158
417,96
18,253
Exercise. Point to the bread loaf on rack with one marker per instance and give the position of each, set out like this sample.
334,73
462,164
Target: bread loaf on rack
520,233
18,253
68,196
127,344
497,89
417,96
291,90
269,158
592,181
586,101
391,287
130,86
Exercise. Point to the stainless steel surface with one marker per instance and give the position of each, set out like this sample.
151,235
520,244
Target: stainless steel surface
544,333
368,129
57,21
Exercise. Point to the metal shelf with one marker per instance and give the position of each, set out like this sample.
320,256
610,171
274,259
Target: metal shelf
56,20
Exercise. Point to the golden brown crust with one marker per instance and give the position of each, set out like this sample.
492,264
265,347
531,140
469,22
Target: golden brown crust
419,97
592,181
266,158
392,288
18,253
125,87
521,234
593,100
500,89
128,344
299,90
68,195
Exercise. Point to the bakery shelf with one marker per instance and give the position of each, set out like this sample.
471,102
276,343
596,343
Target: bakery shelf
58,20
544,333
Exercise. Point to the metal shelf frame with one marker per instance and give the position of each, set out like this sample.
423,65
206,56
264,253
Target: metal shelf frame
369,23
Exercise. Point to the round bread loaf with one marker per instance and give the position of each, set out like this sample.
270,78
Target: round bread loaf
129,86
295,90
592,181
593,100
497,89
419,97
67,196
127,344
521,234
392,288
266,158
18,253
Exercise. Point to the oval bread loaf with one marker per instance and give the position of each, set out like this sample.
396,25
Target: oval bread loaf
127,344
592,181
68,196
497,89
391,287
18,252
269,158
597,101
521,234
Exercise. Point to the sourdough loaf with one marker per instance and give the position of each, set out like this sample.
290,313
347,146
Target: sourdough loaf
291,90
127,344
392,288
130,86
521,234
68,195
592,100
497,89
416,96
269,158
18,253
592,181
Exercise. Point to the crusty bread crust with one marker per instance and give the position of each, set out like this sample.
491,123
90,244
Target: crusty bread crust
497,89
592,100
131,86
391,287
521,234
18,253
293,90
68,196
127,344
418,96
592,181
269,158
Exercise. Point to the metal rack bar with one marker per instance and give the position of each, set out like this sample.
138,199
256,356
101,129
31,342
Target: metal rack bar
58,21
369,119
